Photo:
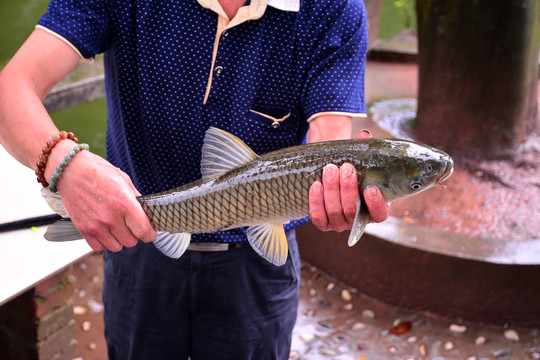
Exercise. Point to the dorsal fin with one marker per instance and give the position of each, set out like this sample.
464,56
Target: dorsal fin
222,152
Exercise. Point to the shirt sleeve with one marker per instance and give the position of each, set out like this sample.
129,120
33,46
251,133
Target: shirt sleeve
337,57
83,24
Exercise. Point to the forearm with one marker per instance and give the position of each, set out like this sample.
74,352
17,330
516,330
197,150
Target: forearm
330,127
25,125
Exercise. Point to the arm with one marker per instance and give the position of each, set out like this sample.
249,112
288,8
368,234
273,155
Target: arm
333,206
99,197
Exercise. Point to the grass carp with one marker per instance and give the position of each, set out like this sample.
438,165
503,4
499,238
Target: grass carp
239,188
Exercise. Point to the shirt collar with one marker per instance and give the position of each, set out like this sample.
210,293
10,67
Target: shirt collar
254,10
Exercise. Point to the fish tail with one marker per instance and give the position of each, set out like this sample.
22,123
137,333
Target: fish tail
63,230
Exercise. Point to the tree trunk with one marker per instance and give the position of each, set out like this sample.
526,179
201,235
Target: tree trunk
478,74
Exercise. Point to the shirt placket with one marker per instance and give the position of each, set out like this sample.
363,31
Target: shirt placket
251,12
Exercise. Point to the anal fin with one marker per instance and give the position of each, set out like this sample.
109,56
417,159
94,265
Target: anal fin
270,242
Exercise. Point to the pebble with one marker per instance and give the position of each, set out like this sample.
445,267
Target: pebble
448,345
458,329
511,335
330,286
346,295
472,357
294,355
95,279
92,346
326,325
83,266
481,340
307,337
359,326
324,303
502,354
412,339
368,314
422,349
85,326
310,312
82,293
401,328
361,347
312,292
392,350
80,310
95,306
348,307
327,351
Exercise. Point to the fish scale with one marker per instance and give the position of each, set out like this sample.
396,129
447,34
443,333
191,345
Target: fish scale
247,198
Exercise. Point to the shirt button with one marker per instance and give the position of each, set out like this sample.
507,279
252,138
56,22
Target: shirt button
218,70
225,34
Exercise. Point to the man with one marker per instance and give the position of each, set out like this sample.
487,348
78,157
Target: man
262,70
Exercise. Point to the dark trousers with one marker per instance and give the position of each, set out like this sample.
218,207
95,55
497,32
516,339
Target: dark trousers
206,305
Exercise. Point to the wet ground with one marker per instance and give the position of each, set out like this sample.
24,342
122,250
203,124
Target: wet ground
336,322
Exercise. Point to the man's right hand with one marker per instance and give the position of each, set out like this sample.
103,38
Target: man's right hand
100,200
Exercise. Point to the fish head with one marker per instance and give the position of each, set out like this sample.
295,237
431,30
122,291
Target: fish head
407,168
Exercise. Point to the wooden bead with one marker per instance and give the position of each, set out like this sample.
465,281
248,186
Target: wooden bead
46,150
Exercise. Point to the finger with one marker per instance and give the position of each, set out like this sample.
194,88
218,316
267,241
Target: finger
139,224
111,242
103,237
123,235
348,191
332,198
94,243
364,134
378,208
317,212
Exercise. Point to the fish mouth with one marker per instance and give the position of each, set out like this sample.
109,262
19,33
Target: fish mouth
447,171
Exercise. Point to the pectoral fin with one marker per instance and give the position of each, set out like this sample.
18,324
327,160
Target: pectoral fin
172,245
269,241
360,221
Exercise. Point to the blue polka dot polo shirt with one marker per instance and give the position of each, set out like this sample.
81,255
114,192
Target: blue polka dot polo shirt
175,68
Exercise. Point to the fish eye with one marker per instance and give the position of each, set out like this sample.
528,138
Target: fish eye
416,186
430,168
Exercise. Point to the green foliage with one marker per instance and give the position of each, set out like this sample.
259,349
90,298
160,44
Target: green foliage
407,8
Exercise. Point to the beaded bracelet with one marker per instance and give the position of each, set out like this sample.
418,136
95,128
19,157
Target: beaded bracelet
46,150
64,163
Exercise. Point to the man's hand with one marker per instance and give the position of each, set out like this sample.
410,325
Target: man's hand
101,201
332,203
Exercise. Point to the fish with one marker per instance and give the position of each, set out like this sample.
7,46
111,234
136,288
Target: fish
239,188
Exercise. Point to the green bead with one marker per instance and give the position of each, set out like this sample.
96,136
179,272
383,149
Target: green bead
72,153
59,168
55,174
63,163
67,158
77,149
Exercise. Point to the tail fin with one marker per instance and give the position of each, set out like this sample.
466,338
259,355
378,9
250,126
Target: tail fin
62,230
54,201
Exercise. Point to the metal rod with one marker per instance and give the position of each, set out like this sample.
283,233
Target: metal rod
28,223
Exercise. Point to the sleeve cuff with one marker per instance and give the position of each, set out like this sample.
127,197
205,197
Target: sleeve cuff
83,59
